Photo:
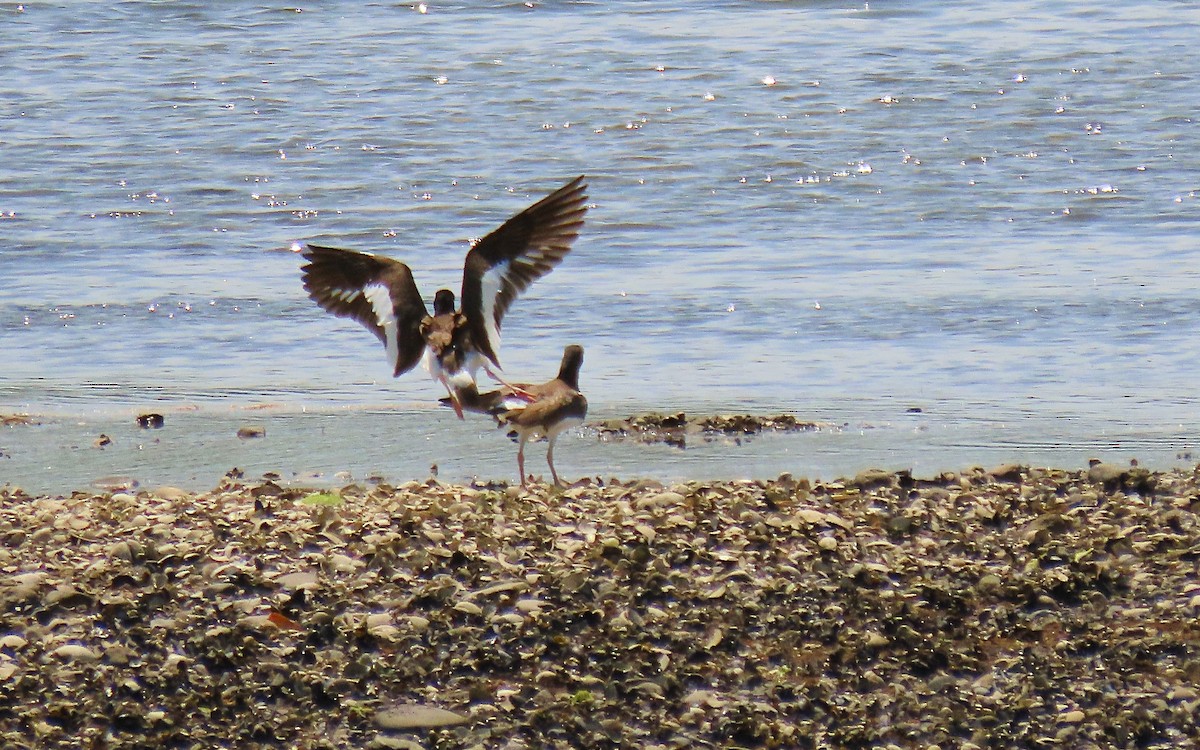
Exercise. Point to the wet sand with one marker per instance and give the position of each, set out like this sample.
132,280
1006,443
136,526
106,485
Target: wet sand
1002,608
58,453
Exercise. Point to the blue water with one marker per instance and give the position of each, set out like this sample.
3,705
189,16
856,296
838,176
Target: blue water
845,211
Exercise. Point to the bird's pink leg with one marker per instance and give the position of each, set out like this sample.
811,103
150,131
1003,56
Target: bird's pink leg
550,460
453,397
521,461
516,389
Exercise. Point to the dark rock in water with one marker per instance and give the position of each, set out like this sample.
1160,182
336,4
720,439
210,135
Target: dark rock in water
150,421
249,432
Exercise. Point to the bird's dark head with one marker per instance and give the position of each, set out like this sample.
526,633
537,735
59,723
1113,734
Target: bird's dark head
443,302
572,360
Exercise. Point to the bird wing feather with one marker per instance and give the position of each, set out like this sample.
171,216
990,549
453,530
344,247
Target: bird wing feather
522,250
378,292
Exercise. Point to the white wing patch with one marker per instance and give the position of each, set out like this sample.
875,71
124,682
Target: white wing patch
385,315
431,365
492,282
458,379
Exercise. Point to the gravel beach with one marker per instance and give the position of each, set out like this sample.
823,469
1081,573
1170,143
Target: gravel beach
1011,607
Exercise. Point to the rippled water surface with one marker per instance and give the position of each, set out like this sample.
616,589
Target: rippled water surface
850,212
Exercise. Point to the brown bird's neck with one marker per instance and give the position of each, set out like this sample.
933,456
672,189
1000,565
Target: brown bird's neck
568,372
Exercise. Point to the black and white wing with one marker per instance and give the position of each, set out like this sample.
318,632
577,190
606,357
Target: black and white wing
376,291
525,248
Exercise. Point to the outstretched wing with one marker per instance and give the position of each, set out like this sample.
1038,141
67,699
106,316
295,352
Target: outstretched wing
525,248
376,291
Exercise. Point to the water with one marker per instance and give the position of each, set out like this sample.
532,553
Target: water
838,210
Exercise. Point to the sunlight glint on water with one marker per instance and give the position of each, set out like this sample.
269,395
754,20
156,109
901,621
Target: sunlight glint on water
849,212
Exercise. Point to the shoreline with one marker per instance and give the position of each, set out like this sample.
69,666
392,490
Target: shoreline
1003,607
193,450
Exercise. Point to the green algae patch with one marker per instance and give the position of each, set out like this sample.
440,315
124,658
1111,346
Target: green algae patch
328,499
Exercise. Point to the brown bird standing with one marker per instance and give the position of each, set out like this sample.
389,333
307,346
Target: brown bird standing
553,407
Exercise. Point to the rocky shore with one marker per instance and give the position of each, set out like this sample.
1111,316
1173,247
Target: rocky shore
1013,607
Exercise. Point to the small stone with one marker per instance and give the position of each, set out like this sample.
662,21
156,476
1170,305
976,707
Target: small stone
115,483
1103,473
1072,717
377,619
661,500
869,478
469,608
150,421
413,716
66,595
1007,472
899,524
384,742
418,623
300,580
75,652
119,654
343,563
989,582
876,640
811,517
385,632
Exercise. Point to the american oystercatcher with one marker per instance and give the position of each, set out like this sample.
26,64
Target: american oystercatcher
380,292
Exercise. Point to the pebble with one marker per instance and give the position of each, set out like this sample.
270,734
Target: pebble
1104,473
305,579
75,652
876,640
661,500
115,483
418,623
378,619
469,608
387,742
415,716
